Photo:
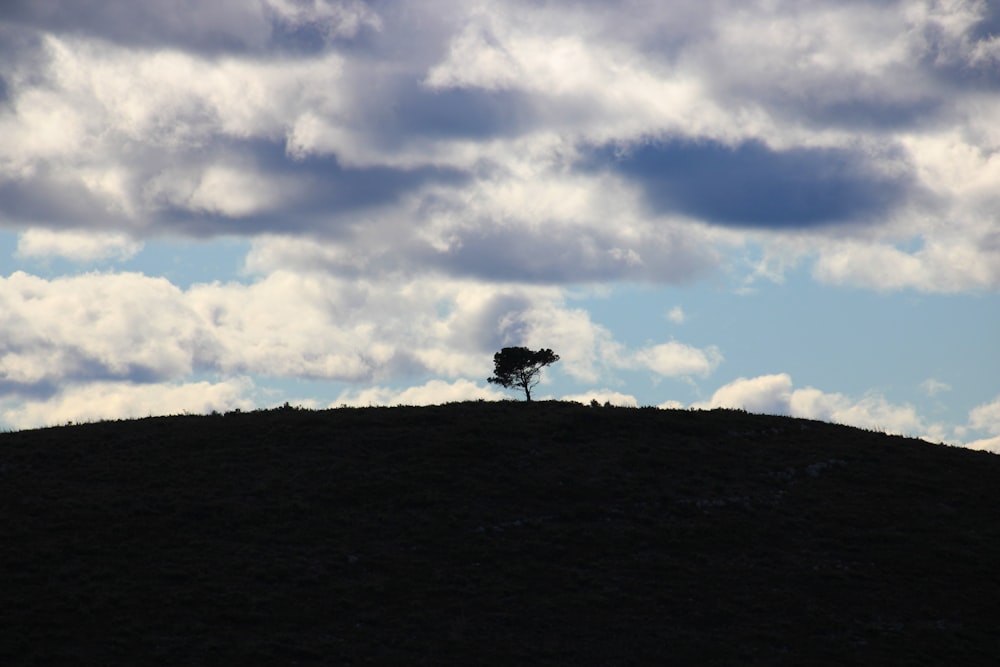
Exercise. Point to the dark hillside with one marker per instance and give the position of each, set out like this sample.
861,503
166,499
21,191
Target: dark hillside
495,533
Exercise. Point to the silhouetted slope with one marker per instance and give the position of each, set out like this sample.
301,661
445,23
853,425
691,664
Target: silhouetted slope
495,533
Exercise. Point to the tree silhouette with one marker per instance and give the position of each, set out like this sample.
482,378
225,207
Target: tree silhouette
520,367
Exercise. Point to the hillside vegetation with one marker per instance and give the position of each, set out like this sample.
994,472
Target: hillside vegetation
495,533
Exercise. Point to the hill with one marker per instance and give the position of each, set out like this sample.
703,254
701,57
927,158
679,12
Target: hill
495,533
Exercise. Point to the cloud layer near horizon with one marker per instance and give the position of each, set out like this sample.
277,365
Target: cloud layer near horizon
131,328
422,182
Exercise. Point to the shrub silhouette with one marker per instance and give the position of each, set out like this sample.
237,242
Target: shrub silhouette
520,367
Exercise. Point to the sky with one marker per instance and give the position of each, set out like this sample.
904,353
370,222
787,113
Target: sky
784,207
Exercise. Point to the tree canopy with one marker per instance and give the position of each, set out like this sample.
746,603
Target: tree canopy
520,367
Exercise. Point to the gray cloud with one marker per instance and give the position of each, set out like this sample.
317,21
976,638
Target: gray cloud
222,26
498,322
218,26
51,200
988,25
561,254
36,391
462,113
872,115
955,64
312,192
754,186
76,365
321,195
872,66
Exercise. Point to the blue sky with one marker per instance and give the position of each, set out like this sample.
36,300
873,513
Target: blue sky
210,206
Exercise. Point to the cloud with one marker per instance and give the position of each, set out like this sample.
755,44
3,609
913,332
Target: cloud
79,247
842,64
944,266
753,185
312,325
986,444
434,392
498,142
986,417
572,253
97,327
775,394
673,359
769,394
131,328
933,387
212,146
677,315
223,26
231,146
125,400
319,326
603,396
872,411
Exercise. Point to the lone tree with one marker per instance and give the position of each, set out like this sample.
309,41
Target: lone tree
520,367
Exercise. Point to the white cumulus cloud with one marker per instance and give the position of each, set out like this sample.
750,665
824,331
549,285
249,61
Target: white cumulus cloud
434,392
776,394
986,417
77,246
674,359
125,400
